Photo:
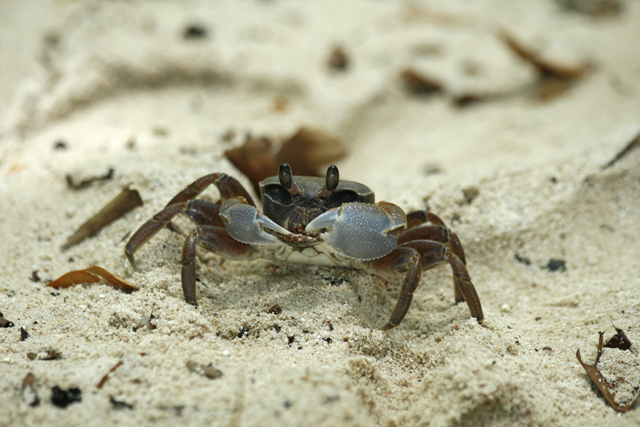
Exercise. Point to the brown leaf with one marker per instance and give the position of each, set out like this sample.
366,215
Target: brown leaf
543,66
275,310
92,275
88,181
554,78
28,380
619,341
4,323
307,150
606,388
106,376
338,59
206,370
419,83
123,203
632,145
254,159
27,383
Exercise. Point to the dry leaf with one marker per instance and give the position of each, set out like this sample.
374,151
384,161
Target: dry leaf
28,391
619,341
338,59
419,83
254,159
123,203
88,181
554,78
307,150
92,275
632,145
106,376
606,388
4,323
206,370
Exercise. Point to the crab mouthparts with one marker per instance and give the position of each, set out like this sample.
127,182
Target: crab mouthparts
301,216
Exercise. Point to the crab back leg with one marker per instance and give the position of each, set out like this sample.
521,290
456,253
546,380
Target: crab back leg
197,210
436,253
213,239
227,186
416,218
439,232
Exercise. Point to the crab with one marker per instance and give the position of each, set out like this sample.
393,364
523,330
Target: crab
311,220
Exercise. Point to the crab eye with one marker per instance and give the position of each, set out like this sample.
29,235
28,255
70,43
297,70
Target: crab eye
333,178
278,194
339,197
284,174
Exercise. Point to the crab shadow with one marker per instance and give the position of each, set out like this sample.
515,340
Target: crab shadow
345,295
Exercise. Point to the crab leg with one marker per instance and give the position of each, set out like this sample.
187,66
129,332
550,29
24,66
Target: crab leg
399,260
434,253
200,211
227,186
214,239
416,218
244,228
183,202
455,244
437,233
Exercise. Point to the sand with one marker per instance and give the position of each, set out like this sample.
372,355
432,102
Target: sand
89,86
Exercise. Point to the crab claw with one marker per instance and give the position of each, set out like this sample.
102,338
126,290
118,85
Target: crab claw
361,230
245,223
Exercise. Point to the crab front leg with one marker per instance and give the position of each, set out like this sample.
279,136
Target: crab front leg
245,228
213,239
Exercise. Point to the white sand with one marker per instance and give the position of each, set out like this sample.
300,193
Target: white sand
121,73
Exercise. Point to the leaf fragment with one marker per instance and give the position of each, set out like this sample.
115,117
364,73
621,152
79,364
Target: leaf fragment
106,376
123,203
304,151
207,370
88,181
619,340
554,79
419,83
4,323
308,149
254,159
28,391
93,274
632,145
607,388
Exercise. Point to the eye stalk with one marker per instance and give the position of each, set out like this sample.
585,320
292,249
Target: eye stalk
285,176
333,178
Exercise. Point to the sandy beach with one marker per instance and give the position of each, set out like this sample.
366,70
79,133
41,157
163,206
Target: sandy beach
534,170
